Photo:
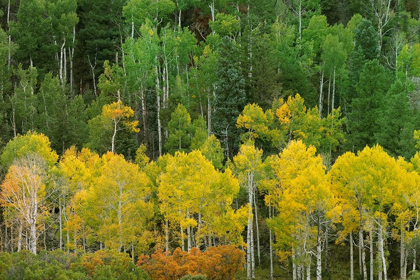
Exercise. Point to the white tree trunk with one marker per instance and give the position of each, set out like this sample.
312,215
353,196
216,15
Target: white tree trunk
361,244
60,223
271,245
257,228
351,257
158,110
321,94
319,253
381,248
9,56
249,248
402,255
294,268
372,260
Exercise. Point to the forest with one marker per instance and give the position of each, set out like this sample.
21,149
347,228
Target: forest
210,139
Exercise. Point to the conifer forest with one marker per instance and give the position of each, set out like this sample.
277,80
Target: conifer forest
210,139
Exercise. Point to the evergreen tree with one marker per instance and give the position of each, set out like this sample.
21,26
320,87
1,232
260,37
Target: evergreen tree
365,108
230,96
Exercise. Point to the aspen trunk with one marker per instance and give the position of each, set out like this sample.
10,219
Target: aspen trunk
319,253
257,228
113,137
9,56
271,246
158,110
33,238
351,257
402,256
249,253
188,232
308,271
381,247
371,253
60,223
143,112
19,246
361,244
321,94
294,268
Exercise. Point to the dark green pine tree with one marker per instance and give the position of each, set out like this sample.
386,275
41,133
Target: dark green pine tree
365,49
365,108
62,119
397,122
100,31
230,96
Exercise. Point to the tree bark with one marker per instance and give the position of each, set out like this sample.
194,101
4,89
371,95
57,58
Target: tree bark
321,94
257,228
381,247
402,256
319,252
371,253
351,257
158,110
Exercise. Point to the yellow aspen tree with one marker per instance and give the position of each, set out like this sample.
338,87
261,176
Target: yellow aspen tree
197,198
78,171
119,195
24,190
247,162
116,117
303,195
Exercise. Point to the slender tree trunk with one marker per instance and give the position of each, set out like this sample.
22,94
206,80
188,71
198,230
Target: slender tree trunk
9,56
158,110
300,21
92,68
308,270
249,248
271,245
113,137
19,246
143,111
294,268
372,260
319,253
402,256
60,223
188,232
257,228
329,94
351,257
379,265
361,244
381,246
33,237
321,94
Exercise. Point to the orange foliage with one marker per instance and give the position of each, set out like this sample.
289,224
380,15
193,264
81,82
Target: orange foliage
221,262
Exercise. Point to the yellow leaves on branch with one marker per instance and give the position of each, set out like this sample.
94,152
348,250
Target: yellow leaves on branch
117,112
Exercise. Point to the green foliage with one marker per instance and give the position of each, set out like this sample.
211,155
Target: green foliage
371,89
24,145
179,126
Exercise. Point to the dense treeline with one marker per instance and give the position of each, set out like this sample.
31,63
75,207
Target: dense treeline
281,127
